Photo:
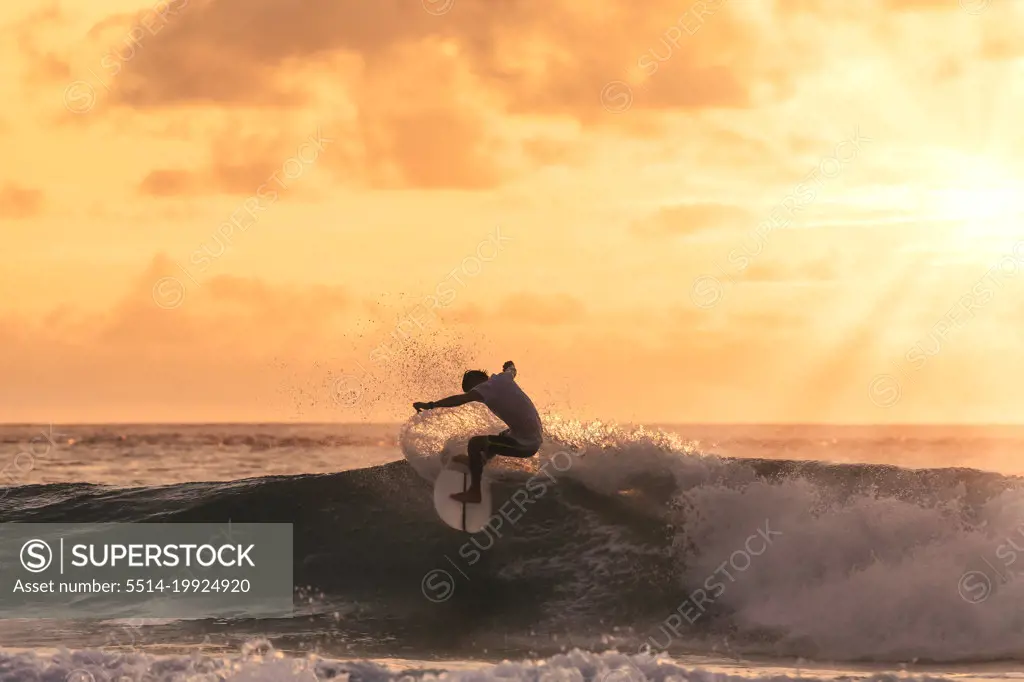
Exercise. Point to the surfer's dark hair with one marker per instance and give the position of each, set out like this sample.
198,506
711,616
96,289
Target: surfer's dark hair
472,379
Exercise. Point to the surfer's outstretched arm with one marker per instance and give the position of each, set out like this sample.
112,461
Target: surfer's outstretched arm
450,401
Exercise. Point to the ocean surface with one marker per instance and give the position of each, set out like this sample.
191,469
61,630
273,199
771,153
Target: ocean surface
656,552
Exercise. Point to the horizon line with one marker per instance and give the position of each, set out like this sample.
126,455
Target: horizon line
614,422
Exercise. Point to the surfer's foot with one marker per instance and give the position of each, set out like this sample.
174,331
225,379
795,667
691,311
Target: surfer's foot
461,459
469,497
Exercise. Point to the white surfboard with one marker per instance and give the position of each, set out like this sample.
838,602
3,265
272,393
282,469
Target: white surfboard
471,518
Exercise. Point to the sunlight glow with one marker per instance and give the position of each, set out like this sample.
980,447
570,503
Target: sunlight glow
985,201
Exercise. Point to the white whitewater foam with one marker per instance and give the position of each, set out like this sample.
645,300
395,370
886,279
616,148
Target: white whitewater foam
870,577
270,666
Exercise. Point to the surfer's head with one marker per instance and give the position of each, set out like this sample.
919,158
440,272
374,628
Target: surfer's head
472,379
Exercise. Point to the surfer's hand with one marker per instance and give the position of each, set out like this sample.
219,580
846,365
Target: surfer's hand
422,406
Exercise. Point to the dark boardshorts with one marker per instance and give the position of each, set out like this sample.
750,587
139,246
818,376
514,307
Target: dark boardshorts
504,445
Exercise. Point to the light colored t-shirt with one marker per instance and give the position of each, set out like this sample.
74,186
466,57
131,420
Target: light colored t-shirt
502,396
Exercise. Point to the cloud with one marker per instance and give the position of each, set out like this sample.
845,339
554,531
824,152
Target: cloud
422,101
281,305
244,163
792,271
919,5
687,219
234,342
419,145
540,58
135,359
532,309
1003,41
170,182
828,7
19,203
548,309
43,65
225,310
244,348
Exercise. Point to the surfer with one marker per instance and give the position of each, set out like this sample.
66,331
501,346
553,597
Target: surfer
502,396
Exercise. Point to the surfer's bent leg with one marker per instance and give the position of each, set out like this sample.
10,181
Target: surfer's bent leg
477,453
477,450
504,445
482,449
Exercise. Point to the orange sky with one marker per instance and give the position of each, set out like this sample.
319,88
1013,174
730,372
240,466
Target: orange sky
729,210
